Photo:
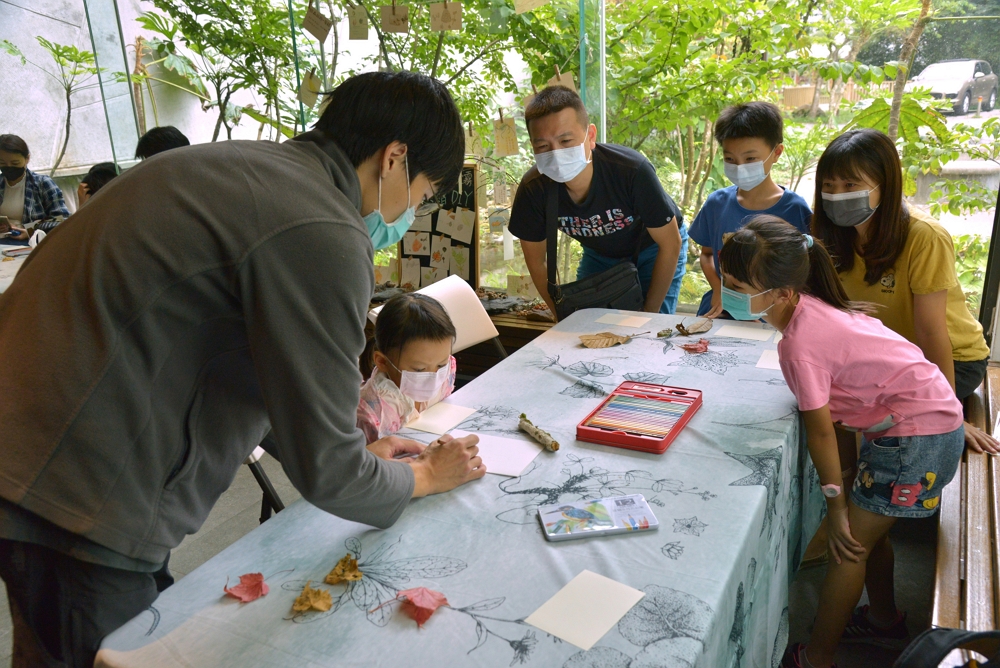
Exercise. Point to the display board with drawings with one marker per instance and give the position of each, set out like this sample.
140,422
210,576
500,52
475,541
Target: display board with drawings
447,241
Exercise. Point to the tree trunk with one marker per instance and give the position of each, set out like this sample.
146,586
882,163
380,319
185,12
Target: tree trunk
814,106
140,107
336,44
62,151
906,55
223,104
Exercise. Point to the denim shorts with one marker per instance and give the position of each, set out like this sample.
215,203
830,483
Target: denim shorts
902,476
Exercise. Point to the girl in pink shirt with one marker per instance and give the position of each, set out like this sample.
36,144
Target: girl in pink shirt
847,368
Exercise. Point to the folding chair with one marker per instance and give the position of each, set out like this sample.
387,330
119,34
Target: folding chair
472,323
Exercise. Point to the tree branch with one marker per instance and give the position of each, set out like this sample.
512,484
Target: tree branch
470,63
437,55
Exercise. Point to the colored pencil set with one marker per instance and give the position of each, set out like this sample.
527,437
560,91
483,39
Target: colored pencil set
640,416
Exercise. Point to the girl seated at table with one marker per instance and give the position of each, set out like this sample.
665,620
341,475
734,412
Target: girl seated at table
414,368
28,200
847,368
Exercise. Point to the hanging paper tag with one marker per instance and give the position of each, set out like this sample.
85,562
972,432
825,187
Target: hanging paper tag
473,143
500,191
315,23
310,89
564,79
508,245
357,19
505,136
522,6
396,18
446,16
498,220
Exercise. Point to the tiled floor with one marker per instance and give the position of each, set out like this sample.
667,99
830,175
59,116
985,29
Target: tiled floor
238,512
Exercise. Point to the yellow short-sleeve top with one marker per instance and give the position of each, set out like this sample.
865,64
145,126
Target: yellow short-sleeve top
926,265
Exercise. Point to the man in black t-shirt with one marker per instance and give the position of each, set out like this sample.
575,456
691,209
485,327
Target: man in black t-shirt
605,191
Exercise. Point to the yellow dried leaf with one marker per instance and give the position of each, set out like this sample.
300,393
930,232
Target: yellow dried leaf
313,599
698,327
603,340
346,570
665,333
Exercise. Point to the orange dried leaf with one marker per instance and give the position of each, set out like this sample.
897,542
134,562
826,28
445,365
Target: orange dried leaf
250,588
603,340
697,348
421,603
346,570
313,599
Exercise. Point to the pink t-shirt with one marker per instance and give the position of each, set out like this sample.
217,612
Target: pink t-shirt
874,380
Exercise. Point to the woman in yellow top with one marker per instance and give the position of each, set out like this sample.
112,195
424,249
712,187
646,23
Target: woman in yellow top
899,259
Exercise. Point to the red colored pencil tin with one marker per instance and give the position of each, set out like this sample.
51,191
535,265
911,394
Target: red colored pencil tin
640,416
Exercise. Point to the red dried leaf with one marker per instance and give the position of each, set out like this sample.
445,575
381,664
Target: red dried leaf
421,603
250,588
700,347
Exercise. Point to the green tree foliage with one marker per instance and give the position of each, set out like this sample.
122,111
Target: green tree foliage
74,70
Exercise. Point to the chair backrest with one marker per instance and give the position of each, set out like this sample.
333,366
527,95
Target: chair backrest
472,323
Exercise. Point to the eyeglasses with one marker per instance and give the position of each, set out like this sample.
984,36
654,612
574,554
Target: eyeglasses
427,207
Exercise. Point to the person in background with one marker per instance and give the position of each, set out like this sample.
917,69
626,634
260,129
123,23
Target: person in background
751,137
159,140
848,369
608,194
414,368
29,200
899,258
96,178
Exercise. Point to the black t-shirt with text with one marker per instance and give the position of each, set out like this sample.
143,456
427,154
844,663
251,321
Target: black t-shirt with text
625,191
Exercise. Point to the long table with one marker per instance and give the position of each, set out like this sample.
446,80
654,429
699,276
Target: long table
9,268
735,496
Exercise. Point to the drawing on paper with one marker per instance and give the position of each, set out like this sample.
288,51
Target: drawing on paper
669,625
581,482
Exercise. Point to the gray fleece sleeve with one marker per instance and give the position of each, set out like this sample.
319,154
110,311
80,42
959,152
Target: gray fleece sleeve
305,294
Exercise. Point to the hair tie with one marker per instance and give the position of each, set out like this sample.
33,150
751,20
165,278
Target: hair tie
809,240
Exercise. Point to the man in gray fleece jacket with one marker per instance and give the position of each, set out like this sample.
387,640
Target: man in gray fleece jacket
202,298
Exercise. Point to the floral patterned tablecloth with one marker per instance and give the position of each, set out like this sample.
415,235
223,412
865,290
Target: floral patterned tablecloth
736,497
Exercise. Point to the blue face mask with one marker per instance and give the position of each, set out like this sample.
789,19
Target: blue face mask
737,304
385,234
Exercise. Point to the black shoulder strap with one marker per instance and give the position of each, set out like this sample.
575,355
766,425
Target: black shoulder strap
551,227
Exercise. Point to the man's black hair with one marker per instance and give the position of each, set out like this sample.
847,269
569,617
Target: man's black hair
552,100
754,119
369,111
98,176
159,140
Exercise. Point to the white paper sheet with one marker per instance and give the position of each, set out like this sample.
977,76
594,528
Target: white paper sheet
503,456
745,332
440,250
464,226
769,360
416,243
623,320
440,418
585,609
778,337
508,245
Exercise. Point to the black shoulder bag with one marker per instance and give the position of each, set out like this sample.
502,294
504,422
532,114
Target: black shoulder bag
617,287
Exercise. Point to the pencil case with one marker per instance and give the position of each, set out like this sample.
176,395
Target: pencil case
640,416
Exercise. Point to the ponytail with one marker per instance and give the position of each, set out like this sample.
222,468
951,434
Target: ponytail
823,282
770,254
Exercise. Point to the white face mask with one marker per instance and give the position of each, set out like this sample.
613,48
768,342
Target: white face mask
747,176
563,164
423,386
